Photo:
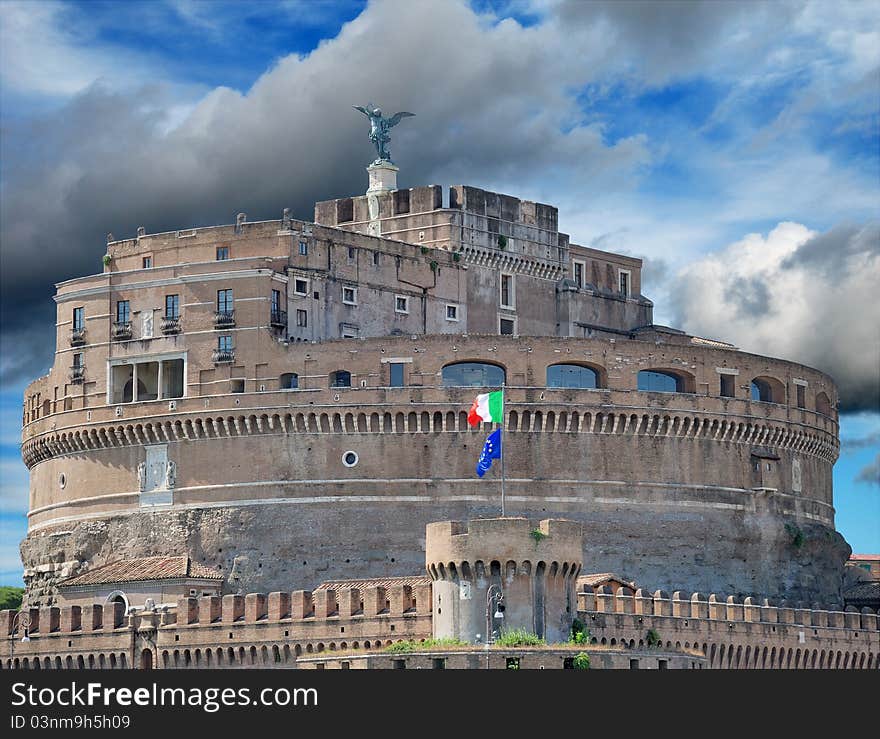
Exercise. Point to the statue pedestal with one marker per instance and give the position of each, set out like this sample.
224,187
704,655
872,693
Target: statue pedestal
383,176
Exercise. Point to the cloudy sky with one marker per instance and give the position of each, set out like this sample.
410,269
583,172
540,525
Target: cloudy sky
733,146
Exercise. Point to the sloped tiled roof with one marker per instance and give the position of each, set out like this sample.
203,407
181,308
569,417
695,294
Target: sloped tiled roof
144,568
596,578
382,582
863,557
865,593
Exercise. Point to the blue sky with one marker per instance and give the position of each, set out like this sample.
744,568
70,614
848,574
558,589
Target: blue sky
727,144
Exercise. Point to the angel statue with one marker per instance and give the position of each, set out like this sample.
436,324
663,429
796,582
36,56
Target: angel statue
379,128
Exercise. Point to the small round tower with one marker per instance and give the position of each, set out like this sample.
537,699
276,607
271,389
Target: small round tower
534,567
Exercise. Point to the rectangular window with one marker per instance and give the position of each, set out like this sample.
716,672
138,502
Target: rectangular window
224,301
624,282
224,343
396,374
507,326
237,386
300,287
123,311
451,312
351,253
222,253
349,295
77,360
578,273
302,318
78,319
507,294
375,259
276,301
148,262
801,399
303,248
727,386
401,304
172,306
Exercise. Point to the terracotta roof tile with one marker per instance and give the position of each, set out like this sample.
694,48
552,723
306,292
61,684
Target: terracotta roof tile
383,582
144,568
594,579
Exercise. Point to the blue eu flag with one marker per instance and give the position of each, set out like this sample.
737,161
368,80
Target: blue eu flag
491,450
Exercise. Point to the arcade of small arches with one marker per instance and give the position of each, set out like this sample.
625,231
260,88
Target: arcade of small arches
464,570
560,419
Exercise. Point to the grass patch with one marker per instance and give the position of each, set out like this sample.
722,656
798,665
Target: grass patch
519,638
402,647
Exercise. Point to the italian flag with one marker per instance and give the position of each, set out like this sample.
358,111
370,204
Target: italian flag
487,407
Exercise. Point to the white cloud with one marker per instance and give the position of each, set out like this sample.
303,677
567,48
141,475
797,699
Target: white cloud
795,294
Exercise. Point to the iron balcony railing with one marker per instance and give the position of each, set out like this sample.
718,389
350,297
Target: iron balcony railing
278,318
224,318
224,356
170,324
121,330
78,336
77,373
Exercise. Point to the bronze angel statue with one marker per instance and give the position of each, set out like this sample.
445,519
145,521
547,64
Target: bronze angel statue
379,128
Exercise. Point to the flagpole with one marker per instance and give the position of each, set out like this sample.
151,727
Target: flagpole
503,444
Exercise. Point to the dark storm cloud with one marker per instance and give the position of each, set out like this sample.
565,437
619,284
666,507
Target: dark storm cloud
808,298
107,161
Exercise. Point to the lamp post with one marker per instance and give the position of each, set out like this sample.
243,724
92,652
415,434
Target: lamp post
494,596
23,619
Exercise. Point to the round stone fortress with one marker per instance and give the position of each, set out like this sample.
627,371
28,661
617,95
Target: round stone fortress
285,402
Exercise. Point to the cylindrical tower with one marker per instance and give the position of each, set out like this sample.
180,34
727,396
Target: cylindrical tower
535,567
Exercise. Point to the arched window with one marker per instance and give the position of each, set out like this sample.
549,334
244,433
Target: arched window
340,378
289,381
660,382
823,404
767,390
117,596
473,374
572,375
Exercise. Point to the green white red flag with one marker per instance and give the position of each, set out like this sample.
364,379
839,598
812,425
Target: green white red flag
487,407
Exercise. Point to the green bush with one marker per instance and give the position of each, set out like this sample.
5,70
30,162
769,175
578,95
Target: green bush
425,250
653,638
456,257
537,535
10,598
519,638
581,661
106,260
502,241
401,647
580,634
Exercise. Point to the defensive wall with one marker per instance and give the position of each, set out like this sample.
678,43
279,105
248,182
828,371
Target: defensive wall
260,630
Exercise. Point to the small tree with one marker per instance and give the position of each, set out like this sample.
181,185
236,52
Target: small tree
653,638
581,661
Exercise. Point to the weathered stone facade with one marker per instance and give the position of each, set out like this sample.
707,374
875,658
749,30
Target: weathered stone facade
244,429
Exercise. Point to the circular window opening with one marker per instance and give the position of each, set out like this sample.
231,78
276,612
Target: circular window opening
350,459
62,480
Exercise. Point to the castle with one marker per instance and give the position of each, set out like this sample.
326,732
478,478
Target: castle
284,402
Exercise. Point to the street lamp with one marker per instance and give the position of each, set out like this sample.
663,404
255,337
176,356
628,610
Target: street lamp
23,619
494,596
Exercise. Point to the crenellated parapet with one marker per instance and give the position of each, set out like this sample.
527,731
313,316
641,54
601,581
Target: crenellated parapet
733,632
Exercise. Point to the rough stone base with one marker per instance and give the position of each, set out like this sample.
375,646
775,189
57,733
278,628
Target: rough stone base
288,547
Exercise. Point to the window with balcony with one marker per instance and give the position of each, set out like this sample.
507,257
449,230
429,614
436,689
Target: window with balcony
77,370
78,327
123,311
122,324
222,253
225,315
277,314
172,306
225,352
